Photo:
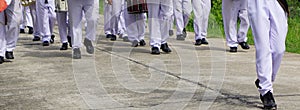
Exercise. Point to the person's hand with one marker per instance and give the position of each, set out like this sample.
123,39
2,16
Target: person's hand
109,2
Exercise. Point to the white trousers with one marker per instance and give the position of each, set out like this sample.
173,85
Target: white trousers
112,15
63,26
90,9
122,22
35,23
231,10
182,12
46,18
26,18
135,24
201,9
269,26
159,14
9,33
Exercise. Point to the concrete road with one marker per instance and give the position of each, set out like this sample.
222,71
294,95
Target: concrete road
120,77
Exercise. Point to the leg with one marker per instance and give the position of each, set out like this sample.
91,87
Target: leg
166,11
178,13
206,6
229,12
107,19
187,10
91,15
43,20
244,25
36,27
12,34
2,35
260,24
132,27
279,28
62,26
75,14
154,24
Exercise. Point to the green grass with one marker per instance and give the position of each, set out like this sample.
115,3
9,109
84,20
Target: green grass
293,36
101,6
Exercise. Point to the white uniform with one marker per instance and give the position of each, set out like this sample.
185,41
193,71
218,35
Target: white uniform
122,31
63,26
231,10
9,33
201,9
112,15
269,26
136,25
33,12
27,18
159,14
182,12
78,8
46,18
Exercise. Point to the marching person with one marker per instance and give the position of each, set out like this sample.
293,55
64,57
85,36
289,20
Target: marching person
159,14
268,21
112,14
63,25
36,28
76,10
231,10
201,14
9,33
122,31
136,24
46,19
26,21
182,13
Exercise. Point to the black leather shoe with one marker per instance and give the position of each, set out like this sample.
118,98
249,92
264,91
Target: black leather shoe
76,53
30,31
108,35
244,45
204,41
36,38
69,40
64,46
165,48
135,43
155,51
9,55
1,59
198,42
269,101
22,31
142,42
233,49
89,46
52,39
113,38
46,43
180,37
184,33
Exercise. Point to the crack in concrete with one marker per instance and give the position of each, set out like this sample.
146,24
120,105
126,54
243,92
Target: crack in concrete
228,96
